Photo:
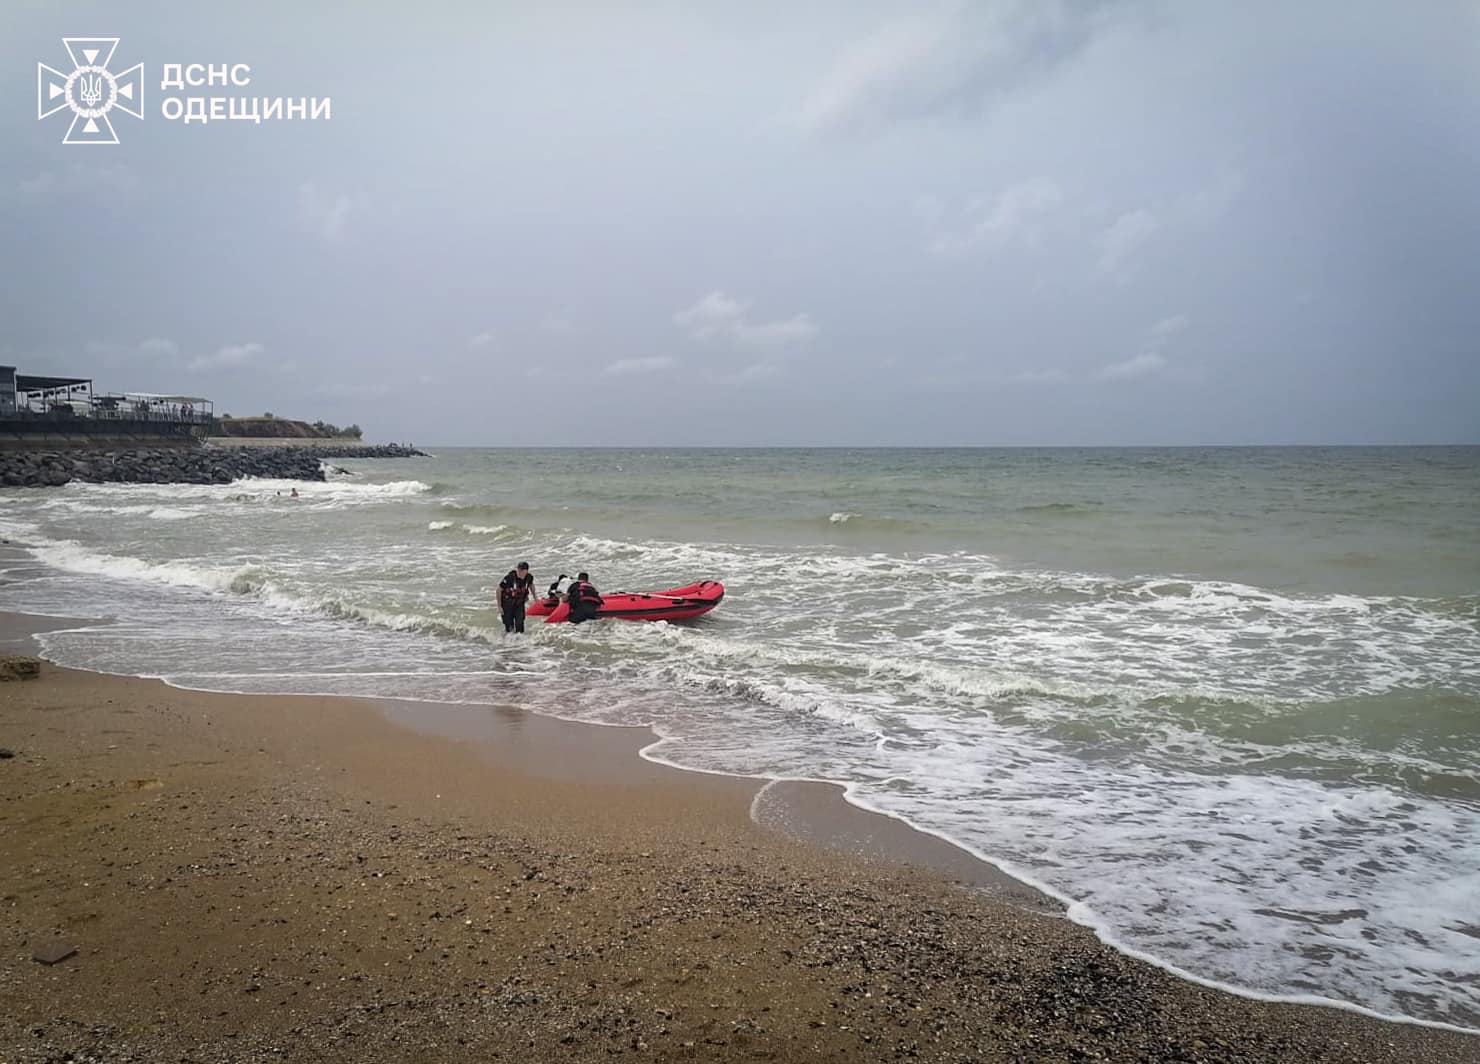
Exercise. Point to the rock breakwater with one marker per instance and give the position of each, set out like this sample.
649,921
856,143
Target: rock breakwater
202,465
364,450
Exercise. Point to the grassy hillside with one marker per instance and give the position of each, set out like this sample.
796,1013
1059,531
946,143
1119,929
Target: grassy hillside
269,426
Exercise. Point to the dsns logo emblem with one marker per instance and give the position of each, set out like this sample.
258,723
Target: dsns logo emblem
90,90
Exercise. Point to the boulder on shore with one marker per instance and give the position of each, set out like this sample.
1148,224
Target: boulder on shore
19,667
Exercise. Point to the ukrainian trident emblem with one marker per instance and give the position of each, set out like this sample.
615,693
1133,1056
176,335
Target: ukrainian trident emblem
90,90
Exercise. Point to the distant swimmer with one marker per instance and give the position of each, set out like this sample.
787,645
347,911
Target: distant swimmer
293,494
584,599
513,592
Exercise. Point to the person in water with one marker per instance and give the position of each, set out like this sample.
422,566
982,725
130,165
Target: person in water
584,599
513,592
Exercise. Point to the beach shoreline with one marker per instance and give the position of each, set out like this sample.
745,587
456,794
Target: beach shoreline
278,877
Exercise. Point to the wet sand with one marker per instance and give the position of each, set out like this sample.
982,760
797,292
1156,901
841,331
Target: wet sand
319,879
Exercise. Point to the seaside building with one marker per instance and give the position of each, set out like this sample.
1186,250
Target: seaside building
54,412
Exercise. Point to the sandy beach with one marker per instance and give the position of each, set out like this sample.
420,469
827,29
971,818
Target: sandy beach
286,878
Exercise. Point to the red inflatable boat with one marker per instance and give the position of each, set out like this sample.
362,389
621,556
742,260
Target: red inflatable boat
675,604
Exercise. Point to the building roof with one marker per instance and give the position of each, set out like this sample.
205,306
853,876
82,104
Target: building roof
153,398
27,383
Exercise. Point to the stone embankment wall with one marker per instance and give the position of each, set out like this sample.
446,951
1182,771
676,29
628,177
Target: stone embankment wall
203,465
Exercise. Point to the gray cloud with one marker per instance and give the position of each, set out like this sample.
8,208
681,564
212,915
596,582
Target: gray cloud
230,356
1141,365
656,364
558,325
1040,376
1169,327
328,215
158,347
1125,238
350,390
106,181
1014,215
718,317
948,62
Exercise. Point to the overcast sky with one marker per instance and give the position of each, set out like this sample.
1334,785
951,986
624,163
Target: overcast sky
840,222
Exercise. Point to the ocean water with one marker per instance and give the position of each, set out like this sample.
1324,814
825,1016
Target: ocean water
1225,703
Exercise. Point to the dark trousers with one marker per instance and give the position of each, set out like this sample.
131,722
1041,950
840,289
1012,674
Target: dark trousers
582,611
513,616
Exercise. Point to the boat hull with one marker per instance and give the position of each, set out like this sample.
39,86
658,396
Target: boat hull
675,604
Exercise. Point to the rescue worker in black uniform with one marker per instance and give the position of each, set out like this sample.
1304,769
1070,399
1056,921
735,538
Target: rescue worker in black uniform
513,592
583,598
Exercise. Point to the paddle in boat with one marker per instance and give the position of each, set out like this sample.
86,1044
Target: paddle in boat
675,604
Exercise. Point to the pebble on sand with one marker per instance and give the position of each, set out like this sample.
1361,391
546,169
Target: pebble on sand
53,953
